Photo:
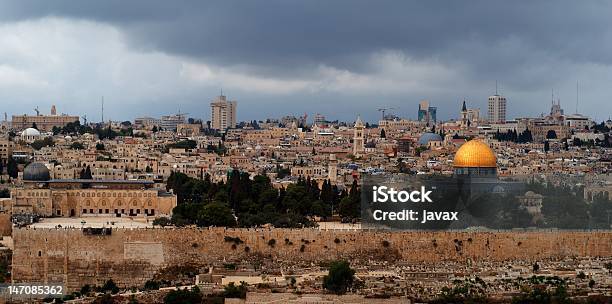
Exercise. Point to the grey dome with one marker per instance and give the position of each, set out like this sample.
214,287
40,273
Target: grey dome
36,172
427,137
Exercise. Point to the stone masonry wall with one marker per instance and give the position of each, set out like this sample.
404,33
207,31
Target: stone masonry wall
131,257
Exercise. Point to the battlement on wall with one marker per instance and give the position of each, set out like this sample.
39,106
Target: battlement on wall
132,256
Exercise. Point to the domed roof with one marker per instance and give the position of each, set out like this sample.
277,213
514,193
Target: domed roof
30,132
427,137
36,172
475,154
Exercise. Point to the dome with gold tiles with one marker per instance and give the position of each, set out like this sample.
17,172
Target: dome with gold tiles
475,154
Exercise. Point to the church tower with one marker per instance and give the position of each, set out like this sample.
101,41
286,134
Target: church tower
358,138
464,116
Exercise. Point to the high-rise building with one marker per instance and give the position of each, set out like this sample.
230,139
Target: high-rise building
319,120
427,113
169,122
223,113
497,109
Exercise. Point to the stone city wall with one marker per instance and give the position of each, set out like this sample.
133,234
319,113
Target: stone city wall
6,227
132,256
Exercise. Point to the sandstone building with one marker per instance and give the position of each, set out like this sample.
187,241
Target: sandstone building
45,197
43,122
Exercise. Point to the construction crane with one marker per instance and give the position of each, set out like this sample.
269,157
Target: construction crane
37,111
383,110
84,119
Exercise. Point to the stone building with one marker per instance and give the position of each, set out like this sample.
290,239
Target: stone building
43,122
188,130
6,150
44,197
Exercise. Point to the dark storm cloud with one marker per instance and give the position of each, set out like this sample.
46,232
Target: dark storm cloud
270,35
527,45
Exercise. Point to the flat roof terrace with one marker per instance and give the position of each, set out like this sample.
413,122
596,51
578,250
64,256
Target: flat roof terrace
96,183
94,222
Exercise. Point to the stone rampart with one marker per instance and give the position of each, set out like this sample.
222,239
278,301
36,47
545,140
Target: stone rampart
132,256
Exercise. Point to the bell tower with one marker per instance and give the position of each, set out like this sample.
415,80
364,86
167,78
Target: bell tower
358,138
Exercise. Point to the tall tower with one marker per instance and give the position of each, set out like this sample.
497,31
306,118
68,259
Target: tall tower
223,113
497,109
53,110
464,115
358,140
332,169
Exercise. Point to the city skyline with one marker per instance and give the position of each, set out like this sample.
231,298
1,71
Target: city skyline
278,151
160,59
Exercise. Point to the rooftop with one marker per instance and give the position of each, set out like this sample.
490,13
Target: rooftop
100,181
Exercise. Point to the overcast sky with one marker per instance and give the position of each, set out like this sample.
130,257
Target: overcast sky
338,58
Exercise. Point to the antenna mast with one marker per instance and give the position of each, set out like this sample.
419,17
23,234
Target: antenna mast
576,96
102,109
552,96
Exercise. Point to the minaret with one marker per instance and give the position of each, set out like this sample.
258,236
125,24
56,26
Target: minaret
332,169
53,110
358,141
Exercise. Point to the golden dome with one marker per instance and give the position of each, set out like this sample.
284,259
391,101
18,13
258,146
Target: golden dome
475,154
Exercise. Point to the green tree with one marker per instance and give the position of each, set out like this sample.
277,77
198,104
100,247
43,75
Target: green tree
110,286
151,285
184,296
86,173
11,168
85,289
216,214
162,221
340,277
77,146
41,143
350,206
233,291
